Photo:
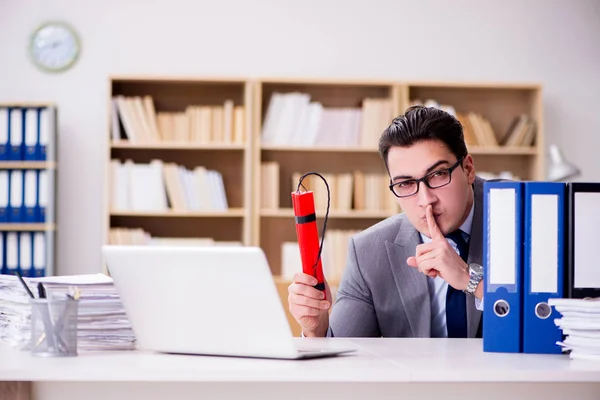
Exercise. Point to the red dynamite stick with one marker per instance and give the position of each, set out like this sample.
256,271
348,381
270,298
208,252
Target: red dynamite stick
308,236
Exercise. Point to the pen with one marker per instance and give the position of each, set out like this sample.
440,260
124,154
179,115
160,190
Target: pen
24,284
41,290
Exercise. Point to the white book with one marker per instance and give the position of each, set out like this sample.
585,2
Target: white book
291,263
315,118
119,196
228,121
219,188
272,115
297,127
115,128
203,188
147,187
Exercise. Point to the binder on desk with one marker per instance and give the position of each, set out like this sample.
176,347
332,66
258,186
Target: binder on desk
15,134
543,265
12,252
16,196
31,210
583,208
31,138
4,144
502,259
4,195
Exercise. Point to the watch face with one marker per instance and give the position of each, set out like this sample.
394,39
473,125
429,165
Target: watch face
476,269
54,47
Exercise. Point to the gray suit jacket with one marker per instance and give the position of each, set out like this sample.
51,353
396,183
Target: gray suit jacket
381,295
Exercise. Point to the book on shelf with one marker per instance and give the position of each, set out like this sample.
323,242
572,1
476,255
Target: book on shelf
349,191
333,257
163,186
292,119
269,177
135,119
139,237
478,130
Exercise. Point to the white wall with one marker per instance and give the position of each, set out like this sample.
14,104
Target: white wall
553,42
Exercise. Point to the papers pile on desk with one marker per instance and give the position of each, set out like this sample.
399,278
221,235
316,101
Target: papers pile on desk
580,323
102,323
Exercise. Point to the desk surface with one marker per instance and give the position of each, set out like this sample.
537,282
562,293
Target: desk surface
376,360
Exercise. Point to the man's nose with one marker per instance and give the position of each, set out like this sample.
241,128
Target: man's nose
425,195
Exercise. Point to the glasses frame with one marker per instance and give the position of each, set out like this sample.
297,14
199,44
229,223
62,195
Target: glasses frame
424,179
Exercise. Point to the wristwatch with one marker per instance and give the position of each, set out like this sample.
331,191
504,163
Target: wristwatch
475,276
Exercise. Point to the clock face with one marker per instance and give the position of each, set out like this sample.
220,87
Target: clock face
54,47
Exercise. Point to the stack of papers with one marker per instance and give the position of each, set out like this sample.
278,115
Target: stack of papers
580,324
102,323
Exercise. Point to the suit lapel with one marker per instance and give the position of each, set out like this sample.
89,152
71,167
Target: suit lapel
475,254
412,285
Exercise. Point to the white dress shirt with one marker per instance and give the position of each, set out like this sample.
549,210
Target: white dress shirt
438,288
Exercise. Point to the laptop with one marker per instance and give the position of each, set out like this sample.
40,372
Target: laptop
213,300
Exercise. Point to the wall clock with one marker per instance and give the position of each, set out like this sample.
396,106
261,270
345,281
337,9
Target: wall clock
54,47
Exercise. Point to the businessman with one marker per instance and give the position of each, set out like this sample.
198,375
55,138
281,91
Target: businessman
418,273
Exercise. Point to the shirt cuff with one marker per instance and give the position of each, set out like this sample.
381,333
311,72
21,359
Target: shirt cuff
479,304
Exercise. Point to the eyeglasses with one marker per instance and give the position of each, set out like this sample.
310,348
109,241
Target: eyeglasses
433,180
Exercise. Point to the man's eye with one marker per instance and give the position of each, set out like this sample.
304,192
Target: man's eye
405,184
438,174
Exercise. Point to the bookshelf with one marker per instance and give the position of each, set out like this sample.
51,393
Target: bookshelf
500,105
28,189
293,126
179,137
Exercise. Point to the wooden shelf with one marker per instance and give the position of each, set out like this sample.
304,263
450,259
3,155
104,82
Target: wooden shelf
356,214
509,151
476,85
32,104
176,146
231,213
20,227
249,220
328,149
27,165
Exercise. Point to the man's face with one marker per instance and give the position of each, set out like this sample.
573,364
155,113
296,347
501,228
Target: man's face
452,203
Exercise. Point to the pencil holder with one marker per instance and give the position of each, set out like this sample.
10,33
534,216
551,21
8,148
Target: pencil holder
54,327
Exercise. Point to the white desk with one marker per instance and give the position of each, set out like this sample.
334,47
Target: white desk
381,368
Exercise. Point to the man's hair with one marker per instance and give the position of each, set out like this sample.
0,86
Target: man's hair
420,123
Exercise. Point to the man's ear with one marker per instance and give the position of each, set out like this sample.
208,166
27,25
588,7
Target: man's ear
469,166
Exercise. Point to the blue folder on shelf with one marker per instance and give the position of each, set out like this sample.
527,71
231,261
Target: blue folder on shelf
4,138
4,195
16,190
16,127
31,136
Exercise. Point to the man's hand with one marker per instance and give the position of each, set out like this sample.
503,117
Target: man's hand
308,305
439,258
